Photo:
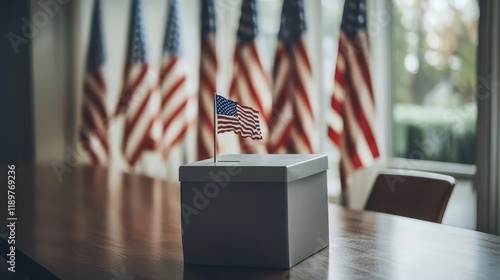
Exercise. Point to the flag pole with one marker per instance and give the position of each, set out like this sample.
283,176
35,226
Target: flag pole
215,127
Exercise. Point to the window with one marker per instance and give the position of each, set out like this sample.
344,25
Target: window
434,79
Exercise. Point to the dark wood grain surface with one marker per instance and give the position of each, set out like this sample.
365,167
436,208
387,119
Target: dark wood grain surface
100,224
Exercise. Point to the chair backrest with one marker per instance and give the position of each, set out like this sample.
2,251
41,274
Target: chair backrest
414,194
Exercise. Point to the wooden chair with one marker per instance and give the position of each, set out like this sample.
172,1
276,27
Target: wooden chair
414,194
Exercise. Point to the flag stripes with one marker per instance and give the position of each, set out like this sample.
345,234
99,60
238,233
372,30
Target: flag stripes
350,121
293,126
140,100
172,86
250,84
93,131
154,105
282,117
208,74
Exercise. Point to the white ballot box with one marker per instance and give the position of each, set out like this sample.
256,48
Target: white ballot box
254,210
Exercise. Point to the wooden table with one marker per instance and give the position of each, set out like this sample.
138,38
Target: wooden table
100,224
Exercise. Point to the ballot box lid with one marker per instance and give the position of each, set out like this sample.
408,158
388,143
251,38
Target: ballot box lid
255,168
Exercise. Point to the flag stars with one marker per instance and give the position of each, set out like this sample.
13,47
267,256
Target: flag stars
354,18
248,27
361,19
244,123
207,17
225,106
96,56
171,43
137,41
292,21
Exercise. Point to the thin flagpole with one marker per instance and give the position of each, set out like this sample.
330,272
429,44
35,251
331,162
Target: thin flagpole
215,127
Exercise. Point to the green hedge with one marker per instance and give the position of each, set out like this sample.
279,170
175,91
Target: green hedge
434,133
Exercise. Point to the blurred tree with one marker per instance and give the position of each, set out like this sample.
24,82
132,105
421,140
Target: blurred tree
435,41
434,70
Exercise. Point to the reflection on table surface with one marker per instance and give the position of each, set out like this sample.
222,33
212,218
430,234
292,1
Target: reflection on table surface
99,223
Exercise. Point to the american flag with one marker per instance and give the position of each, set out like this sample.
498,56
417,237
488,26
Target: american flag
172,85
293,128
350,122
208,73
243,120
93,133
250,84
140,99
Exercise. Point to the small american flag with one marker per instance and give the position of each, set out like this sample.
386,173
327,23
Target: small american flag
232,116
208,74
350,122
93,133
293,126
250,84
172,85
140,99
